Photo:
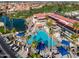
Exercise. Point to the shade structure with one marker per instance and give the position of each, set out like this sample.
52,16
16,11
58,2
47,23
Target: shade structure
63,51
20,34
41,46
67,43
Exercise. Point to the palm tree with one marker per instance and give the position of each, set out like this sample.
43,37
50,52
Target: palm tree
76,26
34,44
35,55
30,11
13,30
74,37
49,21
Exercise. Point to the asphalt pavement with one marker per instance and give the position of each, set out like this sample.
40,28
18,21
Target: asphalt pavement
7,48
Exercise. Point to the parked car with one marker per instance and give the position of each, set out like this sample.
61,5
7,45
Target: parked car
15,48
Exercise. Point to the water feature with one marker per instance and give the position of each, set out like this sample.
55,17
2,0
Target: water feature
18,24
42,36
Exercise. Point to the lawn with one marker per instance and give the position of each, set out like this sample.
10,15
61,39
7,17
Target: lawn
2,30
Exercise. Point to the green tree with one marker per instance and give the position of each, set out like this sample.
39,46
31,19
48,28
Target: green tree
30,11
13,30
34,44
50,22
34,55
76,26
74,37
2,29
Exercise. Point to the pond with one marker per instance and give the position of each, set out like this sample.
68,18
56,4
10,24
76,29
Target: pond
18,24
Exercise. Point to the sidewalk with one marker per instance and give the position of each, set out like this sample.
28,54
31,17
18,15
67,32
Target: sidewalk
23,53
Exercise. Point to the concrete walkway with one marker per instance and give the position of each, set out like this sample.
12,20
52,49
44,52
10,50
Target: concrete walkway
23,53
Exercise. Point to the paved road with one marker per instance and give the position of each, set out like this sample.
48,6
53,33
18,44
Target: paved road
3,53
6,48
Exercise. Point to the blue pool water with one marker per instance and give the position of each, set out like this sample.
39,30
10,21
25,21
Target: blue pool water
20,34
18,24
42,36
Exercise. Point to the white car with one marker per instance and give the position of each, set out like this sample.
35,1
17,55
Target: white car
11,45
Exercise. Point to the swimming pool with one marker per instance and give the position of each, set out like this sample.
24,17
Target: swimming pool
42,36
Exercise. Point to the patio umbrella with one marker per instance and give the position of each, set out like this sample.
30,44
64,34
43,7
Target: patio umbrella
63,51
67,43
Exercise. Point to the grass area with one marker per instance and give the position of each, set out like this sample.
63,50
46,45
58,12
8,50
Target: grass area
4,32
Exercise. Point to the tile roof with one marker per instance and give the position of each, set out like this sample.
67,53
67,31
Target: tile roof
62,18
40,15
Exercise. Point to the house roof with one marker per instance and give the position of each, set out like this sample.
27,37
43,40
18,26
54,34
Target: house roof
40,15
39,25
62,18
